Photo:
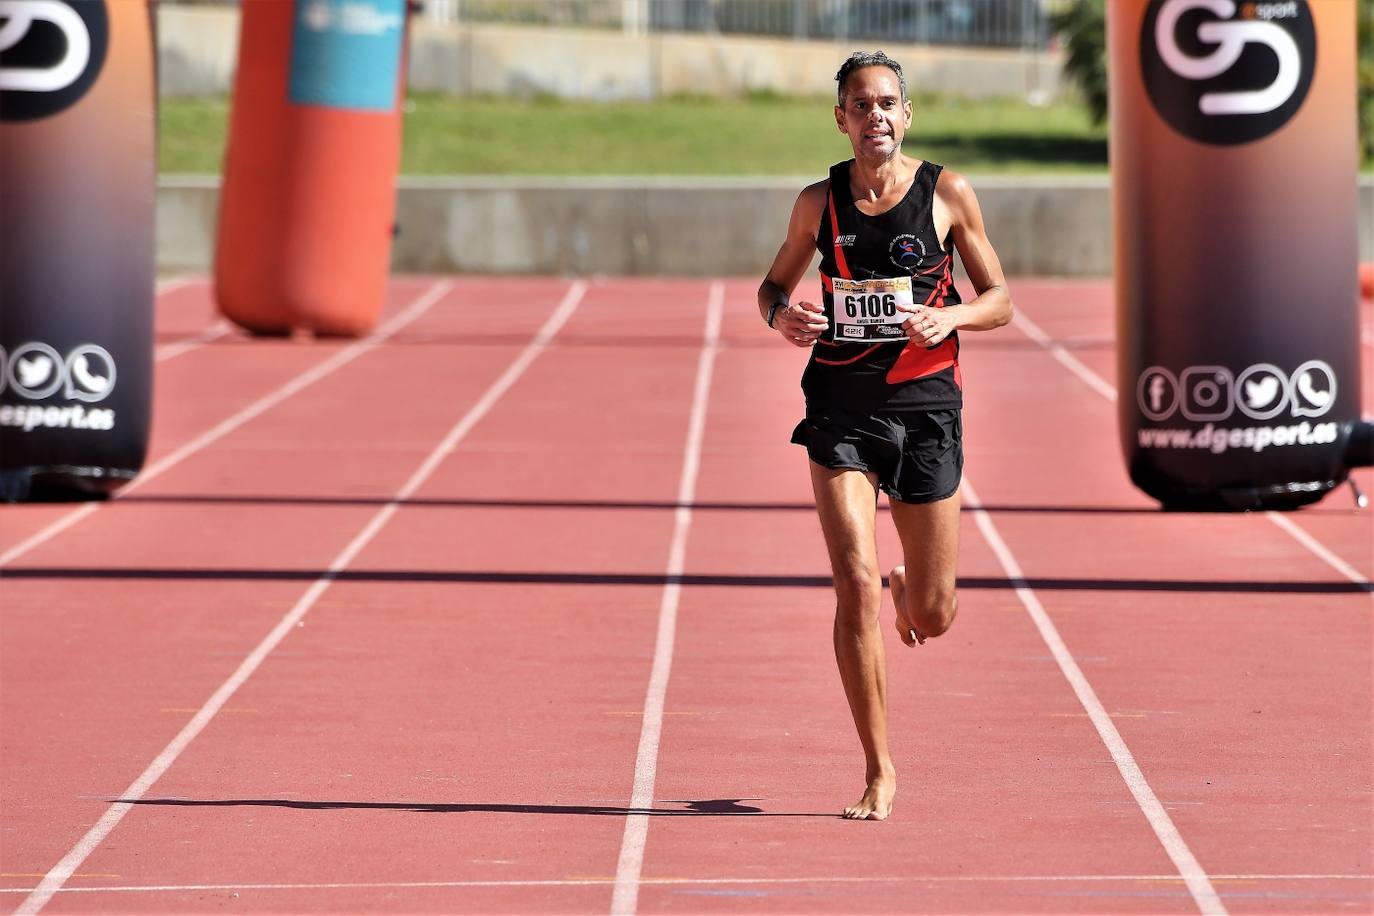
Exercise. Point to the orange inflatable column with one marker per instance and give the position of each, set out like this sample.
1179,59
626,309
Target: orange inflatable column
308,202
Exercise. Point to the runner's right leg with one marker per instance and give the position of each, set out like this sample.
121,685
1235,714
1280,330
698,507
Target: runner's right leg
847,503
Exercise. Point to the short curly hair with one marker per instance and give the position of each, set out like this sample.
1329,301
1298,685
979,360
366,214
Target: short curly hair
861,59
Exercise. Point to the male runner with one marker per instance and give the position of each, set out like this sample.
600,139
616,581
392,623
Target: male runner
882,386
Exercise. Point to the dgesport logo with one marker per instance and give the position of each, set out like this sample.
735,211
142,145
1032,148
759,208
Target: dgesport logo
1225,73
1205,394
51,52
36,371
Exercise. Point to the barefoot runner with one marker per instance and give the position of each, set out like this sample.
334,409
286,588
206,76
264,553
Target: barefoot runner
882,386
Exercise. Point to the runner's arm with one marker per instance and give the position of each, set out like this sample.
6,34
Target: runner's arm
991,307
801,322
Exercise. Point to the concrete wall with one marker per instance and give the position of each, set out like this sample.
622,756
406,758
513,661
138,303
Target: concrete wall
198,48
710,227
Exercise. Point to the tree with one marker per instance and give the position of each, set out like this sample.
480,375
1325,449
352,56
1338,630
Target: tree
1082,27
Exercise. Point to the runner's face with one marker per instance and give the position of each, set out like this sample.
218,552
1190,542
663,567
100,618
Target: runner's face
874,117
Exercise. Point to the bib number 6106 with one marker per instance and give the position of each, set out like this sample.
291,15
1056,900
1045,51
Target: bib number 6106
873,305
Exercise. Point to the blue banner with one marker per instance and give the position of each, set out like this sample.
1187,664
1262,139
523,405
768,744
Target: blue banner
346,53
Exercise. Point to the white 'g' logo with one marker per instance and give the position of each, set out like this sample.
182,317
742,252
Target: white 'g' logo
19,16
1230,39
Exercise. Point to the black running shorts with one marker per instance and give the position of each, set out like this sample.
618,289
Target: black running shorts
917,456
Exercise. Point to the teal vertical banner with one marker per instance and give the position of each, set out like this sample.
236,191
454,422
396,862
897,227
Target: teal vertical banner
346,53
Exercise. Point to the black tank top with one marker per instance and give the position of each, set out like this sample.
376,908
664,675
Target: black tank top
867,377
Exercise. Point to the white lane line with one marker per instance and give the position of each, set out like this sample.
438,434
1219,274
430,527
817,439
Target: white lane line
78,854
47,534
172,284
1064,357
172,350
257,408
631,861
649,882
1312,544
1187,864
1101,386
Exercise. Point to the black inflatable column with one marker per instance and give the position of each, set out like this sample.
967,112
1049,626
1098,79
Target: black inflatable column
1234,164
77,170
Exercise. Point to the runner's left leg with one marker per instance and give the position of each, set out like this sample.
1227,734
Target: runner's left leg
847,503
923,587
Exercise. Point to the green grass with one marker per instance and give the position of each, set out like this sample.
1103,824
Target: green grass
761,135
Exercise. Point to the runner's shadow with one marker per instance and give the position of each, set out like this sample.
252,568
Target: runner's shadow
716,807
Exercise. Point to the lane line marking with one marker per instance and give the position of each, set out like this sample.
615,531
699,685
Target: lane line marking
1187,864
173,350
257,408
631,861
1312,544
651,882
78,854
1064,357
172,284
1108,391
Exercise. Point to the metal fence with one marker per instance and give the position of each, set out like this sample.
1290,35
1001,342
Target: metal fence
993,23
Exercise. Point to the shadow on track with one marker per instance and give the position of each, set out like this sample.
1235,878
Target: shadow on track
723,580
708,807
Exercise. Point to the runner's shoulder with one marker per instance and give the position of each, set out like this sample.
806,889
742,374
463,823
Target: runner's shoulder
954,190
812,197
806,212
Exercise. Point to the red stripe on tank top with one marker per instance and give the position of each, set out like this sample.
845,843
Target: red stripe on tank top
840,266
915,361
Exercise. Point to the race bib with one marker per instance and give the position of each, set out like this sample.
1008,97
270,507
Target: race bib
866,311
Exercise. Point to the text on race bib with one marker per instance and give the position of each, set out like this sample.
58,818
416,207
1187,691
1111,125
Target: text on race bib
871,311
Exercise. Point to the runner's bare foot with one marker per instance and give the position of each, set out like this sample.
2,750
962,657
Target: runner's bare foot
897,580
876,804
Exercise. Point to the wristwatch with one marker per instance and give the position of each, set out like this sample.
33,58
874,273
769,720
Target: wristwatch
773,311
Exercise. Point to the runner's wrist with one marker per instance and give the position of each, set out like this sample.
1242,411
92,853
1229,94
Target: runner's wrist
774,310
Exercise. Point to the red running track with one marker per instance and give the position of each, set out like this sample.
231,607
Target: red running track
534,618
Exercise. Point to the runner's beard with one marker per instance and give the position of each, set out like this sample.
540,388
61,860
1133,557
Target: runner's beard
886,157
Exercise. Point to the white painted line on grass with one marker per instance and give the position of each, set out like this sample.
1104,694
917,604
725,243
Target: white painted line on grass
1101,386
631,861
257,408
1184,860
78,854
679,882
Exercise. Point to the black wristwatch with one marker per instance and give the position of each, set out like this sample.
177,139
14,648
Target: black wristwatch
773,311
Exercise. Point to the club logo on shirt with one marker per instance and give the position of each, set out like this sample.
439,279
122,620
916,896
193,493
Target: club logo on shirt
906,251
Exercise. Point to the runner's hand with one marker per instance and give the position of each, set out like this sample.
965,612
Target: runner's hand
928,326
801,323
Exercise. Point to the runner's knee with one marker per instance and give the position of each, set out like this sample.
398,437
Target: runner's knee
936,611
858,592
